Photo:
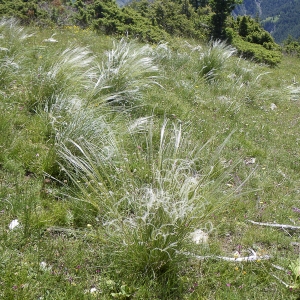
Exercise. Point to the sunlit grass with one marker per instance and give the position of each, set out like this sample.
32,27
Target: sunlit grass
106,199
124,73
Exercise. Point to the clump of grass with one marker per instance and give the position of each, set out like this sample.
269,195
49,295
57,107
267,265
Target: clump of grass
214,59
66,73
72,120
294,92
162,212
79,122
124,73
12,37
147,224
148,214
161,53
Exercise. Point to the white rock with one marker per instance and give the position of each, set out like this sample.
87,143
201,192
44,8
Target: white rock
93,290
273,106
43,265
13,224
250,160
199,237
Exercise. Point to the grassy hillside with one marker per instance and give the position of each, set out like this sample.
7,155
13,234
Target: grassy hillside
131,171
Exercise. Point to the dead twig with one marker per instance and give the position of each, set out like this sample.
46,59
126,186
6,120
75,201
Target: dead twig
281,281
279,268
276,225
253,257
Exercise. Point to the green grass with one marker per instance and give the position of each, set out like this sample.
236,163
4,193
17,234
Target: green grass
112,153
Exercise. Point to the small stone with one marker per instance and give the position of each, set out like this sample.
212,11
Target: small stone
13,224
199,237
273,106
250,160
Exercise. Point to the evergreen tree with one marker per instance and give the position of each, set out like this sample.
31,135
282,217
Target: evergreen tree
222,9
198,3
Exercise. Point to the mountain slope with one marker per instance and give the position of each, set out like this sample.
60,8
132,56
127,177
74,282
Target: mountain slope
279,17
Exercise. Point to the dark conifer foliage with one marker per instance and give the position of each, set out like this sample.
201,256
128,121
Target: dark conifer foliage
153,21
222,9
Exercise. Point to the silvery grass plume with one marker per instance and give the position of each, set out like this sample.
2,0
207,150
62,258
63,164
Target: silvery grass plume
241,84
12,53
242,75
152,238
73,63
62,105
294,92
161,53
95,170
76,128
148,223
214,59
126,71
13,35
65,73
86,127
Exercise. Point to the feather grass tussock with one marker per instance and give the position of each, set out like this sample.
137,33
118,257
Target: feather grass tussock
80,122
213,60
148,202
148,223
68,74
73,62
126,71
12,36
12,33
122,76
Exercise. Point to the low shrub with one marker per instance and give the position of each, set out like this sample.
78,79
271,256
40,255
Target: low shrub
257,52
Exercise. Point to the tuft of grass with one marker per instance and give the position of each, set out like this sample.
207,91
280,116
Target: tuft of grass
13,38
147,223
213,60
127,70
65,73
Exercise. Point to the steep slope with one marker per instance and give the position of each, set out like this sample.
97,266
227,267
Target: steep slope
279,17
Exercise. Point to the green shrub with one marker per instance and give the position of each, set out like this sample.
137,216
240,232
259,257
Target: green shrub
252,41
254,51
107,17
251,31
291,46
26,11
173,17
